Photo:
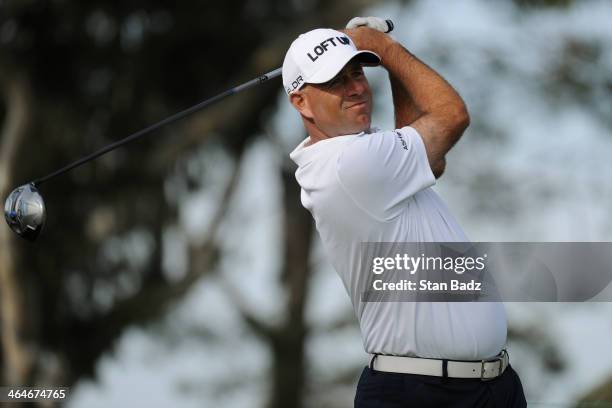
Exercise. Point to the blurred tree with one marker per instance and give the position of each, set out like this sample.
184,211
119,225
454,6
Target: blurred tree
75,76
17,95
544,3
599,396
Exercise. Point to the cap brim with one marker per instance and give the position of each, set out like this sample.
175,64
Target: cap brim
366,58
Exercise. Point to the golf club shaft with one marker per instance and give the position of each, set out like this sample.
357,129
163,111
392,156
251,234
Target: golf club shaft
170,119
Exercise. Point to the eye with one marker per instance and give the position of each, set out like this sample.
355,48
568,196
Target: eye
333,83
357,73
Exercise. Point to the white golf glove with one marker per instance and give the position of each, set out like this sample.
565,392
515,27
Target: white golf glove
377,23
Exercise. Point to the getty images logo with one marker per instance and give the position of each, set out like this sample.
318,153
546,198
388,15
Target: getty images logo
325,44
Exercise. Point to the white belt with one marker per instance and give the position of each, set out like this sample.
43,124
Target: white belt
484,369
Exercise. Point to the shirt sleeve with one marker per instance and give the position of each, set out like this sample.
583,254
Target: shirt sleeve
380,171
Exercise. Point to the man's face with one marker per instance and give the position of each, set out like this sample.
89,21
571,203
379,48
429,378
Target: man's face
341,106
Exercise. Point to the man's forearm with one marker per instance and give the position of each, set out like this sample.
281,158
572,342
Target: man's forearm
409,78
419,91
422,98
405,110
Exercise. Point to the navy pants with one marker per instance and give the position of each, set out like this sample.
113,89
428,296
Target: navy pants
378,389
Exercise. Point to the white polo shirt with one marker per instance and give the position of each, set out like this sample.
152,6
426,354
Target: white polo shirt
375,187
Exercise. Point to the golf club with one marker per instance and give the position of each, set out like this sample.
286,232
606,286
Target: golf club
24,209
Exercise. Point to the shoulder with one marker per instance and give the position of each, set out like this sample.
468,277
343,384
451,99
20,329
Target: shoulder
374,152
382,169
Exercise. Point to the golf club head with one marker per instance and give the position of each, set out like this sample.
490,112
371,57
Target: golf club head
24,211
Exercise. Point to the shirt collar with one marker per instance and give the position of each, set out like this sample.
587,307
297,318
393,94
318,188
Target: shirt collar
302,154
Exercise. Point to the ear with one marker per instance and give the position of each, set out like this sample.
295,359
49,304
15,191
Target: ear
300,102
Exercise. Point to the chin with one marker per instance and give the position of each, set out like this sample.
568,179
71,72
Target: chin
356,126
364,126
364,129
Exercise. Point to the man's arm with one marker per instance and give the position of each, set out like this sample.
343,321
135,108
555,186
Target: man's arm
406,113
421,97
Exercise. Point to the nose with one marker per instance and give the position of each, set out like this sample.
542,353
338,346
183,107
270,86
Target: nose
355,86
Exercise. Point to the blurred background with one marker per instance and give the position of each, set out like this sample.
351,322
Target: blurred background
182,271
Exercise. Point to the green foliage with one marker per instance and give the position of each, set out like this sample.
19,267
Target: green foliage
544,3
98,71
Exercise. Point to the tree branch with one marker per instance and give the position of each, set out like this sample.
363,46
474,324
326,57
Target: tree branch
17,349
152,300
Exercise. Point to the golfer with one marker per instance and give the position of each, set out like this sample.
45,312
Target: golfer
362,184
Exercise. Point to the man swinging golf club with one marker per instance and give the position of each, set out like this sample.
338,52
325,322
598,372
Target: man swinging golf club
362,184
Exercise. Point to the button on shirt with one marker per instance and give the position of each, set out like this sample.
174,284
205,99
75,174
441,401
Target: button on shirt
376,187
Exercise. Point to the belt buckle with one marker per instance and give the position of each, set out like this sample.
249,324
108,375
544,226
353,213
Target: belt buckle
482,368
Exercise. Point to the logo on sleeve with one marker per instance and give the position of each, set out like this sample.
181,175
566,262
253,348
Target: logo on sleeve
402,141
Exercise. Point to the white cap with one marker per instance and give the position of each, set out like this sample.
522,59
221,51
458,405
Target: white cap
317,56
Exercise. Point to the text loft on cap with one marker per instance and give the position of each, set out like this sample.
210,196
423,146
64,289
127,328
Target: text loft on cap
322,47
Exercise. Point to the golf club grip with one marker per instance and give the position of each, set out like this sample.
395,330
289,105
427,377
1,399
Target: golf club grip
390,25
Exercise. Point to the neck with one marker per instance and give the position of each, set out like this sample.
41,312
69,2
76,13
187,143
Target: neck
315,134
314,139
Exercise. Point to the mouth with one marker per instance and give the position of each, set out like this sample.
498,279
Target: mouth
357,105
